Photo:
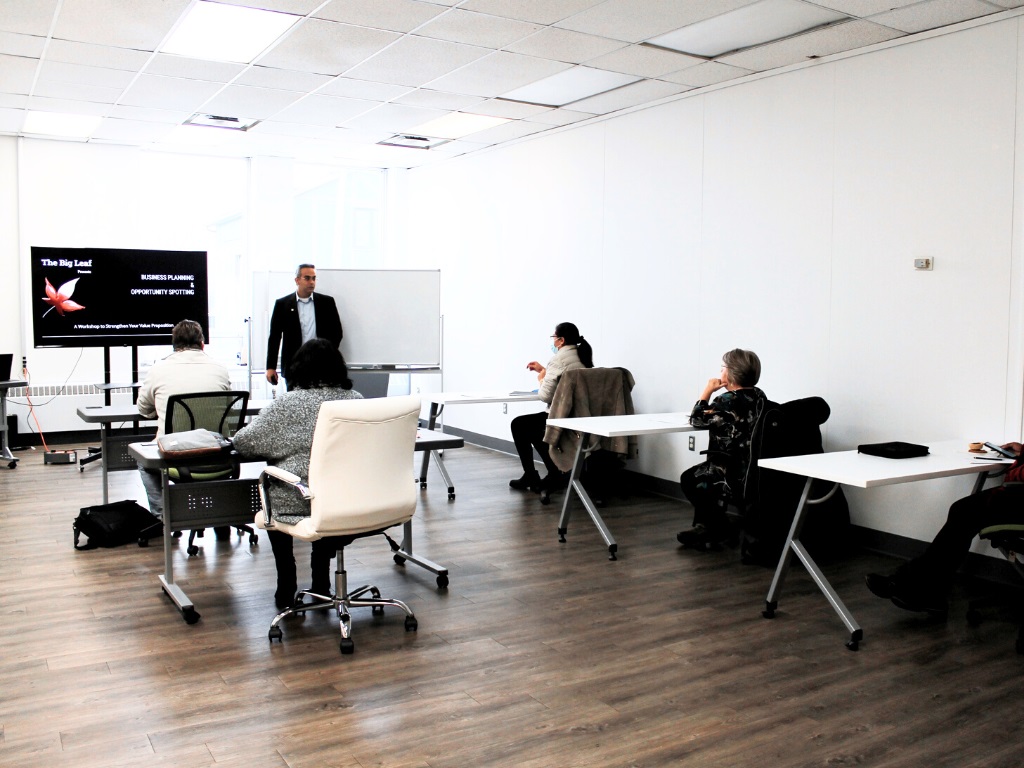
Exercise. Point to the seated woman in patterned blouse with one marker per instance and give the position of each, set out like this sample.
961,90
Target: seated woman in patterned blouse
283,435
730,420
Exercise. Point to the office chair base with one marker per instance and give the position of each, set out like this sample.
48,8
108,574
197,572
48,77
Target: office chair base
342,604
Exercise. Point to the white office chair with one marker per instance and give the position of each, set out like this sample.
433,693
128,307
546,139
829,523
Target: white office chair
359,485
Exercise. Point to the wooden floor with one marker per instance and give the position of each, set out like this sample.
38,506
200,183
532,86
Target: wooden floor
539,654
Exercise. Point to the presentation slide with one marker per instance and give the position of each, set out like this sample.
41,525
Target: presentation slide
107,297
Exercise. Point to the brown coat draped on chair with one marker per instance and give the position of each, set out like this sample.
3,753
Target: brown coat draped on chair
589,392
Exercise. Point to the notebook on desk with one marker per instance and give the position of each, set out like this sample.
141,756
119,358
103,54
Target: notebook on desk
5,367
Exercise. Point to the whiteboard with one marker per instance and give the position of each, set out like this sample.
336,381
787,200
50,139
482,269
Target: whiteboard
390,317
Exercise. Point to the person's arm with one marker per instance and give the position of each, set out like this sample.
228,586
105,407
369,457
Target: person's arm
336,333
274,342
147,400
266,435
705,414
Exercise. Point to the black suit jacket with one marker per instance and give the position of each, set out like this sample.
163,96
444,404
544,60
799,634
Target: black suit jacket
284,327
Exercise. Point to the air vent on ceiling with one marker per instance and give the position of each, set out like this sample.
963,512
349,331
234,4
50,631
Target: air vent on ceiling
218,121
412,142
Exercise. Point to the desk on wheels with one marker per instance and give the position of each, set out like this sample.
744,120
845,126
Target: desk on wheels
438,400
609,426
5,448
237,502
947,459
114,452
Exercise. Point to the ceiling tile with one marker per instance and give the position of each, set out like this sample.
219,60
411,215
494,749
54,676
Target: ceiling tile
460,26
326,47
416,60
815,44
279,128
16,73
169,93
246,101
425,97
143,27
299,7
76,73
645,61
394,15
22,45
96,55
56,89
539,11
709,73
13,101
565,45
498,73
628,96
1008,3
28,17
863,8
363,89
150,115
514,110
933,13
637,20
131,131
193,69
71,106
394,118
324,110
282,79
561,116
516,129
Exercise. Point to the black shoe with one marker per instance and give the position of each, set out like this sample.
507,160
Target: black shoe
555,481
880,585
698,538
530,481
921,601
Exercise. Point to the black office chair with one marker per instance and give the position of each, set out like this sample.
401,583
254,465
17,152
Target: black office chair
222,412
1008,539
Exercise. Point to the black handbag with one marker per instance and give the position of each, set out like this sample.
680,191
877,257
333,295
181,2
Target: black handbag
893,450
111,525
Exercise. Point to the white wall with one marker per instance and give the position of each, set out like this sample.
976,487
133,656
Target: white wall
782,215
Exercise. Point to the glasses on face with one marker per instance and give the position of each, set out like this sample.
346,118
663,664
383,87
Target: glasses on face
308,278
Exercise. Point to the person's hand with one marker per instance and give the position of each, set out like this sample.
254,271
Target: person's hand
272,376
711,387
534,366
1017,448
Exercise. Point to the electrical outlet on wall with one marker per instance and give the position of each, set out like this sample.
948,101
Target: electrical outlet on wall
693,443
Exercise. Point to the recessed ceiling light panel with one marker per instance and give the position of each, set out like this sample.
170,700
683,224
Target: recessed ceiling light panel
570,85
409,141
221,121
754,24
217,32
60,124
458,124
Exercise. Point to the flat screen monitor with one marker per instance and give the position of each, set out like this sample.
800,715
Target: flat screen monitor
110,297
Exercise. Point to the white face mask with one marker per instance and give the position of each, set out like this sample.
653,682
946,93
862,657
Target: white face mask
554,350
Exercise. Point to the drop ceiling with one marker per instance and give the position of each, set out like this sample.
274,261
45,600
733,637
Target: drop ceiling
353,76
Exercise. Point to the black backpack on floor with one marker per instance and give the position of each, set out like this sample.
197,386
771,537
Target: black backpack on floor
112,525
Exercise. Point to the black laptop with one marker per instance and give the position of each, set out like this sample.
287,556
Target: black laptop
5,367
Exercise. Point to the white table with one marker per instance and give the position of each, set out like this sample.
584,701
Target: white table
438,400
609,426
946,459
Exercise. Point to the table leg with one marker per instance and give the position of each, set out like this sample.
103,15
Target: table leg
104,453
173,591
404,554
576,484
794,546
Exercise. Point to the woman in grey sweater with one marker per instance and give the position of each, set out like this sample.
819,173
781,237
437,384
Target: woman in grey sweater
283,435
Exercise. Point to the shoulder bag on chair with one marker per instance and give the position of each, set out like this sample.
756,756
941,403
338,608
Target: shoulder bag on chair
194,444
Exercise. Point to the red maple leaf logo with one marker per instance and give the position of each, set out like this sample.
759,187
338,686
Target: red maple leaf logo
61,300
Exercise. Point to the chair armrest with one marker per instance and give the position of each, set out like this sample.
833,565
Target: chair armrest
283,476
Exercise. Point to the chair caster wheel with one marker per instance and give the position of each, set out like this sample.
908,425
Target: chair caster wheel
769,610
190,615
377,610
176,535
192,550
442,581
143,542
411,625
274,634
254,539
399,560
347,646
451,497
853,645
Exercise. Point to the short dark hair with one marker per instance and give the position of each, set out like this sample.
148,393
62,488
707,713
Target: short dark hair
318,364
298,269
187,334
744,367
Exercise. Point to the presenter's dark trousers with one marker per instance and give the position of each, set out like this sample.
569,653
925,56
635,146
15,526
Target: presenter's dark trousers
528,435
935,568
